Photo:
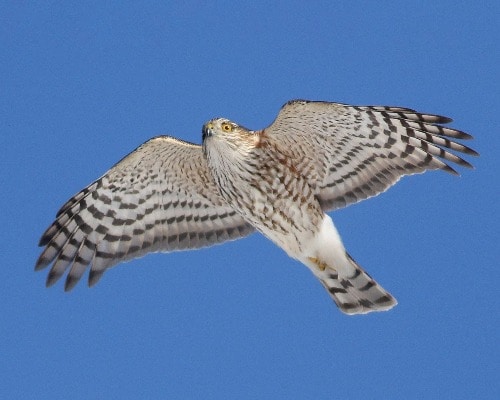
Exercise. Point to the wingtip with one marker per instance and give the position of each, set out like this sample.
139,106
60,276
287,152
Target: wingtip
70,283
467,164
472,152
94,277
46,236
462,135
39,267
450,170
41,262
443,120
52,278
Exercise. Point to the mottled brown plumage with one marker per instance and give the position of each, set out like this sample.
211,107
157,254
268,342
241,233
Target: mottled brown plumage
315,157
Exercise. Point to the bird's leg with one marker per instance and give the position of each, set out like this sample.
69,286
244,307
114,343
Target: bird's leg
320,264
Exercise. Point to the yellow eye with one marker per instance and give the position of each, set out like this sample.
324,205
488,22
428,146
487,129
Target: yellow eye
227,127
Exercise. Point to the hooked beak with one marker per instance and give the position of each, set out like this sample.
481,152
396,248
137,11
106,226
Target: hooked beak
207,131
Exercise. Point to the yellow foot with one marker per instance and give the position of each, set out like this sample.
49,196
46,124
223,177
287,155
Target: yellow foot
320,264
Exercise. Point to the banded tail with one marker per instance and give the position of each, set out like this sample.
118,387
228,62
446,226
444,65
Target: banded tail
358,294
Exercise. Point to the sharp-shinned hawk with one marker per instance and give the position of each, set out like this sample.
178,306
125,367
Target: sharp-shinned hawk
315,157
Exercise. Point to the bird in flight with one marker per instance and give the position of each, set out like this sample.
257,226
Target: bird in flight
281,181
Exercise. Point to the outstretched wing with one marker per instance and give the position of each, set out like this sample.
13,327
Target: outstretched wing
350,153
160,197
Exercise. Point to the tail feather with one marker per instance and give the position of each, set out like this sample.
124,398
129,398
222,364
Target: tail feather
357,294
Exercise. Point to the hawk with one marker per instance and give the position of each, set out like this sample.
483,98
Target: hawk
281,181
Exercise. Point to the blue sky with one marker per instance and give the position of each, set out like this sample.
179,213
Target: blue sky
84,83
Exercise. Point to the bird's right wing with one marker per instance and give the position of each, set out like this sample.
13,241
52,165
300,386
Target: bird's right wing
161,197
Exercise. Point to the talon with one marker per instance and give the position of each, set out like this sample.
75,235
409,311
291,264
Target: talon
320,264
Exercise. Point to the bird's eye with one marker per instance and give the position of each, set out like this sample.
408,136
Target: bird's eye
226,127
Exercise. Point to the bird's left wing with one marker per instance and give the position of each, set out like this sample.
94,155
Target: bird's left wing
349,153
161,197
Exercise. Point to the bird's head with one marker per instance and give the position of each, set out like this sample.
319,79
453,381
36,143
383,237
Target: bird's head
225,134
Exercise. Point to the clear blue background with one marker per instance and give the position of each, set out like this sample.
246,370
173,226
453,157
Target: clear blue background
84,83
